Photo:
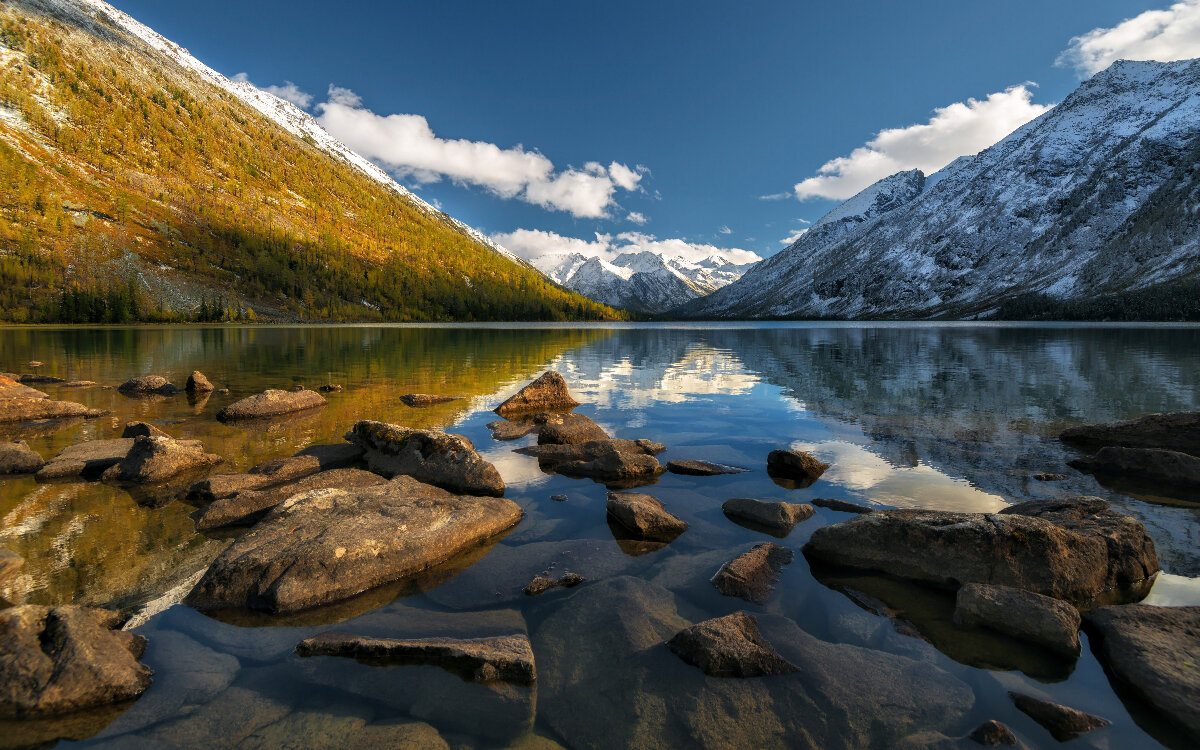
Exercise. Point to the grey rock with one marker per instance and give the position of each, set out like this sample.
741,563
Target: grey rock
88,460
644,517
795,465
702,468
842,506
502,429
992,733
437,458
1048,622
157,459
1144,464
548,392
247,506
549,454
327,545
567,429
1173,431
729,646
271,403
146,385
19,458
752,575
776,518
507,658
1063,722
198,383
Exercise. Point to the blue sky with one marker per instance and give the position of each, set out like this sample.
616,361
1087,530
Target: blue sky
672,119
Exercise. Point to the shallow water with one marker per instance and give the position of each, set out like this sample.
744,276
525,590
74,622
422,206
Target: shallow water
952,417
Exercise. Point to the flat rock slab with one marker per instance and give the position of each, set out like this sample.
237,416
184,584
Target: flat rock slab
1050,623
842,506
1062,722
795,465
644,517
154,459
10,388
502,429
88,460
421,400
57,660
313,459
327,545
36,409
566,429
1174,431
1144,464
550,454
702,468
506,658
752,575
271,403
437,458
19,458
548,392
542,584
1155,650
729,646
1073,549
775,518
147,385
245,507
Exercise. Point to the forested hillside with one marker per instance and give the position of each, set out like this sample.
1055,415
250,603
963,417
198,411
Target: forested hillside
130,189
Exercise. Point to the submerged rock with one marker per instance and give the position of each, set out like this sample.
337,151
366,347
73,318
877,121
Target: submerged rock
247,506
147,385
1174,431
88,460
566,429
157,459
24,409
1070,549
548,392
507,658
776,518
615,468
1063,723
644,517
271,403
542,584
437,458
752,575
729,646
330,388
1051,623
420,400
19,458
1155,650
702,468
326,545
992,733
502,429
198,383
797,466
56,660
1145,464
552,454
842,506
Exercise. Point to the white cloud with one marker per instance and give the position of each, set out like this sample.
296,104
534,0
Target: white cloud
775,196
725,229
793,236
407,145
289,92
532,244
1165,35
955,130
636,217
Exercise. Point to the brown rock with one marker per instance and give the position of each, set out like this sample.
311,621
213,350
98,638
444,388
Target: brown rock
10,563
795,465
157,459
198,383
437,458
271,403
550,454
842,506
34,409
1145,464
644,517
502,429
88,460
422,400
1063,723
56,660
548,392
1070,549
19,458
330,388
27,378
752,575
142,429
11,388
1174,431
307,462
1155,650
145,385
702,468
247,506
1048,622
615,468
992,733
327,545
729,646
567,429
80,384
542,584
776,518
506,658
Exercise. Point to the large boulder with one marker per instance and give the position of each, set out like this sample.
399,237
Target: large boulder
775,518
157,459
276,471
10,388
644,517
33,409
729,646
557,428
1051,623
247,506
507,658
430,456
1144,464
752,574
271,403
1174,431
548,392
147,385
88,460
19,458
1072,549
795,466
1156,651
198,383
56,660
327,545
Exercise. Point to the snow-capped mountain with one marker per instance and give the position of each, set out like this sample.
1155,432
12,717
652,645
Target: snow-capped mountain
1100,194
646,281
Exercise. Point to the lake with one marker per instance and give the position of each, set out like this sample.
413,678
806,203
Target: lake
949,417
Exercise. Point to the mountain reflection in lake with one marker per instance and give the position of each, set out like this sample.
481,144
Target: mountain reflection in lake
951,417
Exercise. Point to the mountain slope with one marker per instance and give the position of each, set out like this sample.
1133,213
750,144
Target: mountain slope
1097,196
138,184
